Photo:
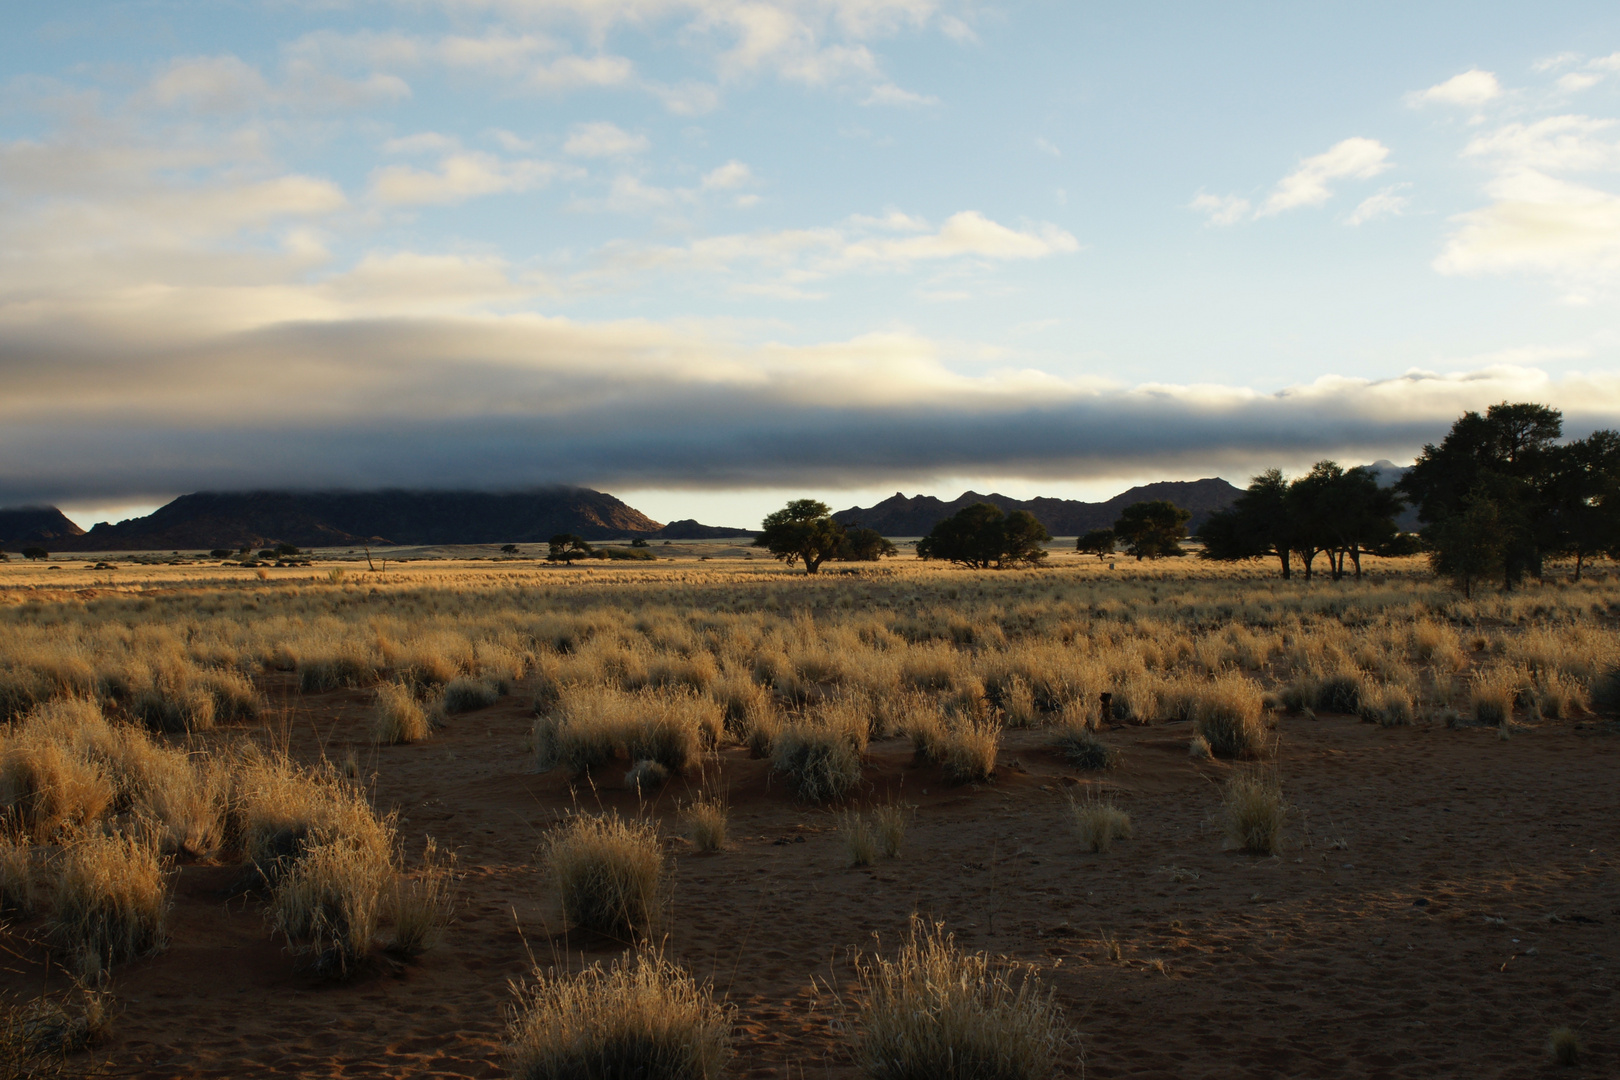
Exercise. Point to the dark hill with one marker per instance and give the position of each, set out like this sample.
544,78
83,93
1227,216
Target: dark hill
690,529
900,516
349,519
35,526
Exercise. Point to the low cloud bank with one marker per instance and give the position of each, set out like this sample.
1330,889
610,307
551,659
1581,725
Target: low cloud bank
504,402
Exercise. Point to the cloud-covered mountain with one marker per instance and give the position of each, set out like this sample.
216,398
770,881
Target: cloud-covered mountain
916,516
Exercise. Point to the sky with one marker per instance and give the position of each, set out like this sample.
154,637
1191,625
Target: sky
710,255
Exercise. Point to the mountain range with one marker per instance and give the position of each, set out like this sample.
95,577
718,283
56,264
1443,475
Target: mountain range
916,516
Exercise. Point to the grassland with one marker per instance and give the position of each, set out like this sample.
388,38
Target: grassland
355,785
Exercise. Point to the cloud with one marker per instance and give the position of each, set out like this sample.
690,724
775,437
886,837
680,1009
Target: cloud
1470,89
600,139
1553,144
500,402
1354,158
733,174
459,177
211,84
1386,203
577,72
1221,209
889,94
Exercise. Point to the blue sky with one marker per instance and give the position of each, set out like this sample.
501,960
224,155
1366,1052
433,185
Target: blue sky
711,254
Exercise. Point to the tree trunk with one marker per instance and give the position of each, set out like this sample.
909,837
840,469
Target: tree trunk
1355,557
1580,556
1306,556
1287,567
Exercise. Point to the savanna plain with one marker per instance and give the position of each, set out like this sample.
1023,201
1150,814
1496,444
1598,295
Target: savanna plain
492,817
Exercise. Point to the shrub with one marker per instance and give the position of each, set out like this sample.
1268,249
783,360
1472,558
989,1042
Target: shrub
1493,694
1099,822
1254,812
398,717
16,874
1387,706
175,708
891,821
609,873
1198,748
860,838
937,1013
822,762
641,1017
46,785
281,812
1084,750
421,904
348,666
1227,713
706,823
646,775
108,901
466,695
329,902
967,750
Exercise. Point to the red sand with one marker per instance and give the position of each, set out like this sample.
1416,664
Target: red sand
1474,907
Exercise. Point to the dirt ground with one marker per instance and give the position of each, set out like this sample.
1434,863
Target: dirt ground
1445,899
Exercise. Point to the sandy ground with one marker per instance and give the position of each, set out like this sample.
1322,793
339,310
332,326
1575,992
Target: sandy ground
1446,899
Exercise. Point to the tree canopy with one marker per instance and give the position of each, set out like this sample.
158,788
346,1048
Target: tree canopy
861,544
802,531
1331,510
1152,530
981,536
566,547
1098,542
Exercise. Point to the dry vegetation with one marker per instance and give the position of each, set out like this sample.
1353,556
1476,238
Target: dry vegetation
149,729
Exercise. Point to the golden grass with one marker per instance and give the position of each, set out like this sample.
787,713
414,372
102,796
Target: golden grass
1228,714
280,812
891,821
594,724
860,837
1493,694
1098,821
1084,750
642,1016
706,823
935,1012
109,901
397,716
821,753
1254,812
608,873
16,874
421,903
329,902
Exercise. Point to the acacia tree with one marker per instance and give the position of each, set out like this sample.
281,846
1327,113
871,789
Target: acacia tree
566,547
804,531
1468,545
1256,525
981,536
1152,530
1098,542
1586,497
861,544
34,554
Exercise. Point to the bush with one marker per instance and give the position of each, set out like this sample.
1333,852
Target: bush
1387,706
822,760
937,1013
348,666
706,823
398,717
1254,812
641,1017
1099,822
592,725
109,901
1084,750
967,750
609,873
859,836
1493,694
891,821
421,904
330,901
1227,712
466,695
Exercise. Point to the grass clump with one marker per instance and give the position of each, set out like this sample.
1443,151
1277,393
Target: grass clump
706,823
608,872
821,754
937,1013
1492,696
1254,812
1228,715
592,725
646,776
421,904
860,838
466,695
967,750
891,821
641,1017
398,717
1084,750
1386,706
1564,1047
330,903
1099,821
109,901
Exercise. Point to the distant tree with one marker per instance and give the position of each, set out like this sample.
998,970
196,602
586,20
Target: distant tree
566,547
863,545
35,553
1586,497
981,536
1469,544
804,531
287,549
1152,530
267,553
509,549
1098,542
1256,525
639,542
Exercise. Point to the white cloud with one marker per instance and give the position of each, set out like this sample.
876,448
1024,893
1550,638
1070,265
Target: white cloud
1221,209
600,139
1386,203
211,84
1540,224
459,177
1354,158
1047,146
1577,81
733,174
1470,89
424,142
1556,143
889,94
577,72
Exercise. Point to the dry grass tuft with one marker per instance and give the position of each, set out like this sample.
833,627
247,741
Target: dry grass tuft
706,823
1099,822
466,695
1493,695
16,874
592,725
641,1017
891,821
1564,1047
1084,750
1386,706
646,776
1254,812
1198,748
859,836
967,748
937,1013
398,716
330,903
821,755
109,901
1227,711
609,873
421,904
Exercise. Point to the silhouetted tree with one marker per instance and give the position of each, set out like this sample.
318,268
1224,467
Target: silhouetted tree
1257,524
1467,545
802,531
35,554
509,549
861,544
1152,530
1586,496
1098,542
981,536
566,547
